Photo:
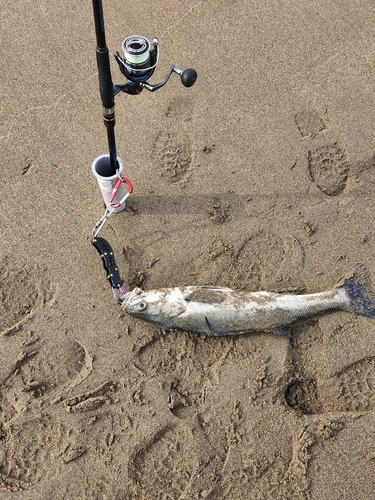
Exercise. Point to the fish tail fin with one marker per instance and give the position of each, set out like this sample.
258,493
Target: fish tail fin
357,287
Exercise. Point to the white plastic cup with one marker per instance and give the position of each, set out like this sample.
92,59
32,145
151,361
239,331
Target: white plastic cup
99,167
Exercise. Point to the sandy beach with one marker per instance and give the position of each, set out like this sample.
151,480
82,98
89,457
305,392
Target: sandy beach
259,177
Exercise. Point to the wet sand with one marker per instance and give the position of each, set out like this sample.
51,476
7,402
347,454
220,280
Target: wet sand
260,177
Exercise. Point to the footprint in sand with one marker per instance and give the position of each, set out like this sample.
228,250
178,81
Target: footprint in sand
174,156
26,449
309,123
329,168
173,148
355,387
176,462
262,259
364,172
328,165
351,389
22,291
41,373
181,109
163,467
182,364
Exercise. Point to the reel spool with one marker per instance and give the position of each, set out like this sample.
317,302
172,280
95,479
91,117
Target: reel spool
136,54
139,60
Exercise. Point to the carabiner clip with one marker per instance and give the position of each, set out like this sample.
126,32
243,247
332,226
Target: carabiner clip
112,206
116,188
99,225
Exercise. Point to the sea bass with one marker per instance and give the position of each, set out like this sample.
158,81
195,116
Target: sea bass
221,311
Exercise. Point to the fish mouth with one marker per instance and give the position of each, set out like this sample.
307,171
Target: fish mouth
130,297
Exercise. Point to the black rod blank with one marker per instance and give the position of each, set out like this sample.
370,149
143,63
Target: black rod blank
99,24
105,83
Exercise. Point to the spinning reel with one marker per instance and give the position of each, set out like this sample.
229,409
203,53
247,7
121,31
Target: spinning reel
138,65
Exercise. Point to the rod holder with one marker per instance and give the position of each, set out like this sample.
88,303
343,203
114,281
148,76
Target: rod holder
101,168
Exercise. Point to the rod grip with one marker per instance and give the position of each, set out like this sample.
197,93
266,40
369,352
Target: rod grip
105,78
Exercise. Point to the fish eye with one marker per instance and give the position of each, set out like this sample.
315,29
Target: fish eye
142,306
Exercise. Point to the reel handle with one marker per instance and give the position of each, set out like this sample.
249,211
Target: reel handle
188,77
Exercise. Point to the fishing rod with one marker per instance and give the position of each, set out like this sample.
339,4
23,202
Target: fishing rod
137,64
105,85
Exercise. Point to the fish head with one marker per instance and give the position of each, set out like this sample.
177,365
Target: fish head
157,306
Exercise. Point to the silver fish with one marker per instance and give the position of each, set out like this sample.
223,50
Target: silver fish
222,311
